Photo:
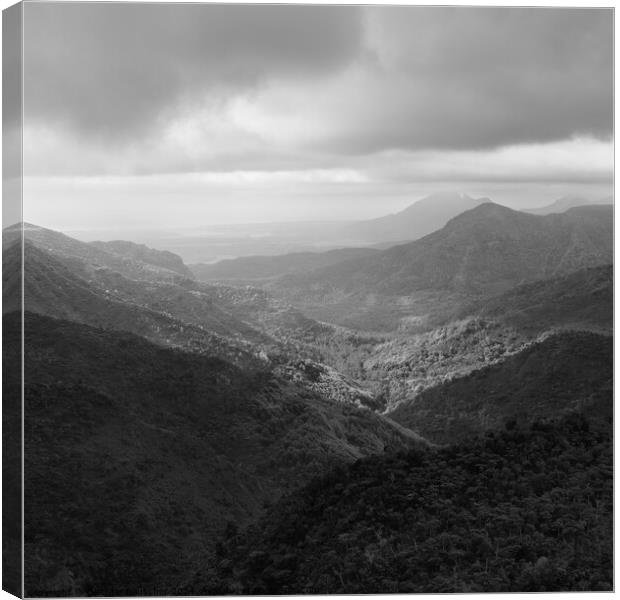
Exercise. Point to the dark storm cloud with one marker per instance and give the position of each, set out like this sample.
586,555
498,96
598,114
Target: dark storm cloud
484,77
11,93
110,70
153,88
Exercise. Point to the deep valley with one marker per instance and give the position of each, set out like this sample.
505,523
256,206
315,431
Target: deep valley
410,418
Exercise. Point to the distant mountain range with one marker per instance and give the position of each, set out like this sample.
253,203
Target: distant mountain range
250,263
165,412
481,252
415,221
566,202
484,249
261,268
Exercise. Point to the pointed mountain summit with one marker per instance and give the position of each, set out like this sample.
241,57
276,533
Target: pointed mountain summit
418,219
481,252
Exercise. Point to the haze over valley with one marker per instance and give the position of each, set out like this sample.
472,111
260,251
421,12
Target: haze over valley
214,243
306,313
308,360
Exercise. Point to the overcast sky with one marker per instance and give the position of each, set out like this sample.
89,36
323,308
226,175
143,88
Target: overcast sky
154,115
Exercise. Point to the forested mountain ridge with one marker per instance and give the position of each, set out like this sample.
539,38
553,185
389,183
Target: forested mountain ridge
160,448
262,268
563,373
398,366
243,326
51,288
188,406
346,238
519,510
129,259
480,253
142,253
417,220
248,326
492,236
582,300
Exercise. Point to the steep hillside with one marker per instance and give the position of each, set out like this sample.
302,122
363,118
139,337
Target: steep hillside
401,368
259,268
140,252
521,510
50,288
563,373
415,221
244,326
482,252
137,455
581,300
140,264
399,365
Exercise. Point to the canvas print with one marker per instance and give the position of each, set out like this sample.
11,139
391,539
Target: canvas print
306,299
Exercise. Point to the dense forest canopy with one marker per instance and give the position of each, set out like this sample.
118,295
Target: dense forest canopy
522,509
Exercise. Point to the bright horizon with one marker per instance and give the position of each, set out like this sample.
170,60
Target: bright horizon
192,128
374,210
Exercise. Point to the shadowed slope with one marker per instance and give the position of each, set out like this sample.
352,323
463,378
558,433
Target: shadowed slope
582,300
563,373
136,455
520,510
51,288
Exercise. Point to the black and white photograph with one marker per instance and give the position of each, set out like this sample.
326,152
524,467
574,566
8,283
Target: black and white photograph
306,299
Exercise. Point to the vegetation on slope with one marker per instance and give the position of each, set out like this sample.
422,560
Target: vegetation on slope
51,288
142,253
143,264
524,509
565,372
12,444
479,253
245,327
259,268
580,300
138,455
403,367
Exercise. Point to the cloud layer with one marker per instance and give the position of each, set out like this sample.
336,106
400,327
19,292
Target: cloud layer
386,95
375,78
114,69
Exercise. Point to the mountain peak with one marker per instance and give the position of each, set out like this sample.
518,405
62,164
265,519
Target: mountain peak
483,212
447,196
26,227
443,201
418,219
560,205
